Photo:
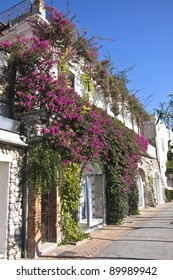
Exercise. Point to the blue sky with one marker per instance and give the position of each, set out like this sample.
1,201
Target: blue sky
143,34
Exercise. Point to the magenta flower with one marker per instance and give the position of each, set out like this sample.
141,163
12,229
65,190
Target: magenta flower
52,131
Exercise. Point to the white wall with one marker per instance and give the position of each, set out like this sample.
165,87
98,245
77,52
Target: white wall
4,182
162,138
151,151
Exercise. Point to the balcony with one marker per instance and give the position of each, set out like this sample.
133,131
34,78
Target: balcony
15,13
9,124
19,12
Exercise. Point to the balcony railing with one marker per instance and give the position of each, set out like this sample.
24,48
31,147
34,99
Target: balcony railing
16,12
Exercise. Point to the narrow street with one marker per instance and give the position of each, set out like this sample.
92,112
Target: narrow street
151,240
143,237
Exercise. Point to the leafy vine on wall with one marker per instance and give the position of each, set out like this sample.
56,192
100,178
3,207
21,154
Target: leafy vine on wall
77,132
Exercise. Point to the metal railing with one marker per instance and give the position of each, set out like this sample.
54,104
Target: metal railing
18,11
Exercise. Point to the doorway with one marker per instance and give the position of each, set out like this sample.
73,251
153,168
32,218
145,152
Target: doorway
141,186
92,202
4,186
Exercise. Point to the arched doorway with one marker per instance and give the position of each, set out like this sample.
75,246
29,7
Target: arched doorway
141,188
141,192
92,208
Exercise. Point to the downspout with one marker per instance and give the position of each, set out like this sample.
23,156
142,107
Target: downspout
104,197
26,207
26,195
88,203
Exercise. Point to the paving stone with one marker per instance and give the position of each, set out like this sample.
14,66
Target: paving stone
101,238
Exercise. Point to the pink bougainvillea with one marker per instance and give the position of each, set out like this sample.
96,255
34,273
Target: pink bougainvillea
80,131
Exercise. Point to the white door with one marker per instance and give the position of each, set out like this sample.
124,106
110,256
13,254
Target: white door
4,182
141,186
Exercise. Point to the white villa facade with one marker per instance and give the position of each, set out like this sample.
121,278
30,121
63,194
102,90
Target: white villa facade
16,222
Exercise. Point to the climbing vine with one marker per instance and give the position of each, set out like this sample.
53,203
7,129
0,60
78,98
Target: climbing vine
43,167
116,196
70,191
76,131
45,172
88,86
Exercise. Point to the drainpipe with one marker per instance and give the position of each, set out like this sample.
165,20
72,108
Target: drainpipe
88,204
103,197
26,195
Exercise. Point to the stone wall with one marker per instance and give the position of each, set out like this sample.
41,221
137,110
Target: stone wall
14,231
149,166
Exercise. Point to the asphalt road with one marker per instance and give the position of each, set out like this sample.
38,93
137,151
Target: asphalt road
153,240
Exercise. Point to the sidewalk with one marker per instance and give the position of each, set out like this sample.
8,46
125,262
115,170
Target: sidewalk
101,238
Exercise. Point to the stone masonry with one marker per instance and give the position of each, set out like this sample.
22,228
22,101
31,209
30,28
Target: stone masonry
14,232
